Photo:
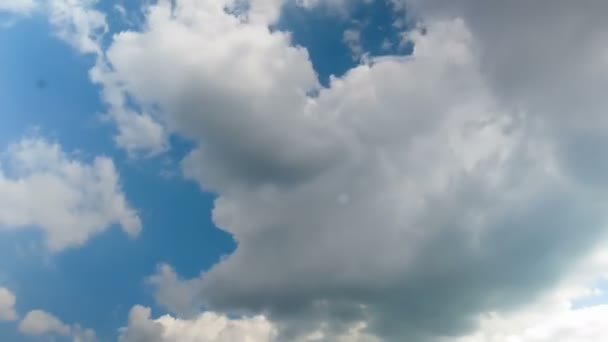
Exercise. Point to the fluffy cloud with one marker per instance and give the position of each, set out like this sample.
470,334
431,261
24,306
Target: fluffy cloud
213,327
40,323
78,23
411,195
232,56
68,200
140,134
7,305
207,327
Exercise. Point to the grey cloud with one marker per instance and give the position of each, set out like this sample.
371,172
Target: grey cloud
412,194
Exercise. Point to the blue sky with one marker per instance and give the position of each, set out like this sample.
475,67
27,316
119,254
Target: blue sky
401,201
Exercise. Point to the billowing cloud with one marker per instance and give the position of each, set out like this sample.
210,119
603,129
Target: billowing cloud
207,327
214,327
7,305
553,316
140,134
69,200
411,195
38,322
42,323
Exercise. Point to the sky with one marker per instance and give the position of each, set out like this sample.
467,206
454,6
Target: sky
299,171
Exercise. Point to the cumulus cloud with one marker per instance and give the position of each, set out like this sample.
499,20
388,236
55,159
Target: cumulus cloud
207,327
69,200
551,317
7,305
78,23
42,323
411,195
139,133
232,55
213,327
38,322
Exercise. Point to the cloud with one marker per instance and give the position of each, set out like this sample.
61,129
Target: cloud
574,325
207,327
74,21
179,296
41,323
7,305
69,200
552,317
411,195
139,133
78,23
19,7
352,39
214,327
38,322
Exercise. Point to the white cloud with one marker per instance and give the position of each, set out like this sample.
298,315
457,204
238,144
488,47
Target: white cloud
213,327
20,7
232,57
140,134
7,305
574,325
78,23
38,322
41,323
207,327
68,200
